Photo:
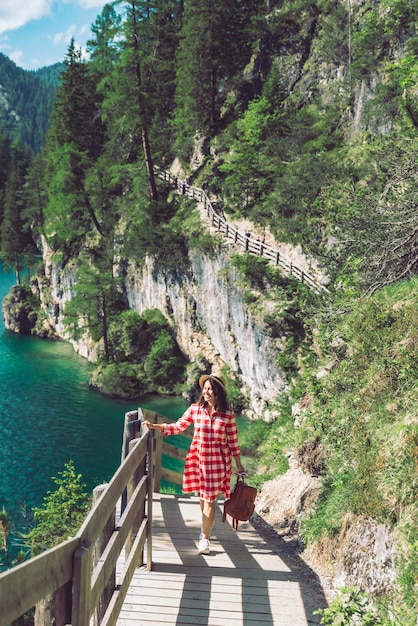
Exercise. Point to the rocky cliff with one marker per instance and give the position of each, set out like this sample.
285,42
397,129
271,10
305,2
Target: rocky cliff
206,309
204,305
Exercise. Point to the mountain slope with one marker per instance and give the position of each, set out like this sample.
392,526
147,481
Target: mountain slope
25,102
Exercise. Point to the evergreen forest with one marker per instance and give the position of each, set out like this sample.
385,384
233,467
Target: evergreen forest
299,116
26,100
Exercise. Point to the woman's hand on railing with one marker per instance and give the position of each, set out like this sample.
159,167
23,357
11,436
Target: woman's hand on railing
152,426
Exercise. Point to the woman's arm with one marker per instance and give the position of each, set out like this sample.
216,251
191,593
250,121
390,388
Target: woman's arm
239,465
173,429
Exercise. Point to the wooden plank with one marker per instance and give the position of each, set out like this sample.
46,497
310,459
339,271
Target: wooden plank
24,585
194,598
171,476
115,605
174,451
116,544
149,511
242,582
93,524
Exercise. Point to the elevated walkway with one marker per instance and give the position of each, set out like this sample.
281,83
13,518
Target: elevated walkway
245,581
134,561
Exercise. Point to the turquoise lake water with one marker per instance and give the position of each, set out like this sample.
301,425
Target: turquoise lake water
49,416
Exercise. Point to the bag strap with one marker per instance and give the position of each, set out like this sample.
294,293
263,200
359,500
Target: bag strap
240,478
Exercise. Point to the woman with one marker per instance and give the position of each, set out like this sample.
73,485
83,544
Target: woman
208,465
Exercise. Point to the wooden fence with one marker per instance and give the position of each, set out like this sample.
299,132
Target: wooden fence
251,245
78,579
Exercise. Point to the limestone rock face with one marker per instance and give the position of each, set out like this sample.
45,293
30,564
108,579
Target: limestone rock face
285,500
204,305
362,555
210,319
56,287
367,558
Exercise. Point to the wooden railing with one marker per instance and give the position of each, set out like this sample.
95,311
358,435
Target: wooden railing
79,577
251,245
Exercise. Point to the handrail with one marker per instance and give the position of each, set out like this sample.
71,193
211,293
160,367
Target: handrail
251,245
78,576
133,421
79,573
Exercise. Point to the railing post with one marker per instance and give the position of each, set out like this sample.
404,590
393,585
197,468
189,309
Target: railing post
130,430
82,586
150,497
158,459
99,547
131,486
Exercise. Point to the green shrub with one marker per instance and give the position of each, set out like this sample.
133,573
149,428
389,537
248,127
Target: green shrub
352,608
145,357
62,514
256,434
121,380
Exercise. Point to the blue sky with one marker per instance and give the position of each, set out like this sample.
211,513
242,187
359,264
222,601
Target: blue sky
35,33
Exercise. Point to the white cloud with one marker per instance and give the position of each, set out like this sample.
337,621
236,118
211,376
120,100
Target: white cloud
90,4
64,37
84,29
17,57
4,44
13,15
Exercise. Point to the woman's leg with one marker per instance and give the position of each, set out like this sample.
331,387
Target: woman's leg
208,517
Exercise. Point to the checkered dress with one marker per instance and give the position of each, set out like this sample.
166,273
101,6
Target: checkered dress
208,466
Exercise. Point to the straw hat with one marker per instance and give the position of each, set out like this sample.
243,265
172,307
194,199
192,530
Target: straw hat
215,378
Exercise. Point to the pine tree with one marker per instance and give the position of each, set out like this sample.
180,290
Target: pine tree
215,40
35,193
136,60
62,513
5,157
96,299
75,141
166,23
104,47
14,239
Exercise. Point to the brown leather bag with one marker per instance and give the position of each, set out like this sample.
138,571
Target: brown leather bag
241,504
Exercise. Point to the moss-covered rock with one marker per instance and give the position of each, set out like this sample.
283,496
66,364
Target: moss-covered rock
23,314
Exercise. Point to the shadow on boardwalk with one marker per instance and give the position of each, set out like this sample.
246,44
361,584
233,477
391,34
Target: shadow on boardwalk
246,580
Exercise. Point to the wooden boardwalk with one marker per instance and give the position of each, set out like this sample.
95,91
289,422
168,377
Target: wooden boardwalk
245,581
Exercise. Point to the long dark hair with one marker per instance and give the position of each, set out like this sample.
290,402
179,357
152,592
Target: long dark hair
221,399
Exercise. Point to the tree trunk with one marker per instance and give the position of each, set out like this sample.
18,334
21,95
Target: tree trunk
144,130
149,164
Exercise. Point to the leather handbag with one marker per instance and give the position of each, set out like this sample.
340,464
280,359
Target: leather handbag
241,503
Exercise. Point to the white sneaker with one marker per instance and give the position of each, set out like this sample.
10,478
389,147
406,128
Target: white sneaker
204,547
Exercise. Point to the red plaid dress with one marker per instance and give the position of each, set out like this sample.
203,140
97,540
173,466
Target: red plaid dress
208,465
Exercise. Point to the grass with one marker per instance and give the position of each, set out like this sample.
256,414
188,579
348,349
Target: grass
365,412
